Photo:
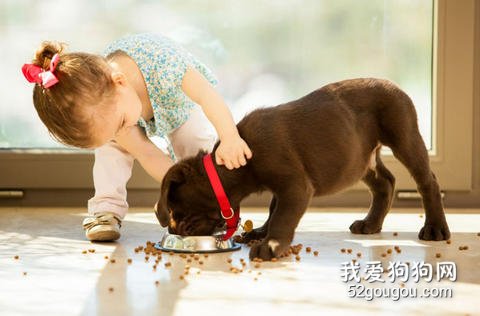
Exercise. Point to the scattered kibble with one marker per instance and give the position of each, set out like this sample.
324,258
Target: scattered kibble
389,251
157,283
106,257
91,250
343,250
384,255
349,250
449,241
395,234
84,252
24,273
168,264
110,289
182,277
359,254
16,257
229,260
315,253
274,259
112,260
438,255
297,258
308,249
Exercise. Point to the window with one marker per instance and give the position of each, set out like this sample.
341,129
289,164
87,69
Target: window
280,51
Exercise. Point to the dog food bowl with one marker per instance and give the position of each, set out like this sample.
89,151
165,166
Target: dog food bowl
196,244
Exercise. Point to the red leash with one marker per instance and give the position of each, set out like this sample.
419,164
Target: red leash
231,217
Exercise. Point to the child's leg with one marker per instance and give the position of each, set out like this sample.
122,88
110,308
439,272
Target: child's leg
111,172
195,134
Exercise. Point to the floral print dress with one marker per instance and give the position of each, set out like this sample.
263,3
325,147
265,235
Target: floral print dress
163,64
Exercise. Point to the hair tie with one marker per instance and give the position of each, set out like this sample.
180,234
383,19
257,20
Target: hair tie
36,74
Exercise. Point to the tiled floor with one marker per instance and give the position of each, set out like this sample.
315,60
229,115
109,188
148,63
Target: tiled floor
53,277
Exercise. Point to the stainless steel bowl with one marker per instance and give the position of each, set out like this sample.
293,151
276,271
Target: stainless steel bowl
195,244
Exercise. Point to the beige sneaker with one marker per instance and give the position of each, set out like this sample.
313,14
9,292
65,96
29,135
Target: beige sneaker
104,226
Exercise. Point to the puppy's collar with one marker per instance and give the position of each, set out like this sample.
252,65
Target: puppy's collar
231,216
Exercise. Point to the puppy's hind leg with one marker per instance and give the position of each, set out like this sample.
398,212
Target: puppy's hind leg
381,184
400,132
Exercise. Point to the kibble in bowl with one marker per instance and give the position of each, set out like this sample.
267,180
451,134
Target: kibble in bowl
195,244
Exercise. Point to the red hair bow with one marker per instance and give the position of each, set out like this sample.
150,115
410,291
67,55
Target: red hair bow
36,74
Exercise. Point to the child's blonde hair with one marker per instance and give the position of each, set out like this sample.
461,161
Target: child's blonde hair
84,80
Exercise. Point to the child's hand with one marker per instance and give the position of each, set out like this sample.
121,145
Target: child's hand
232,152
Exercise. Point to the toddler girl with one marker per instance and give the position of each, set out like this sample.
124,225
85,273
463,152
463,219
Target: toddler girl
146,85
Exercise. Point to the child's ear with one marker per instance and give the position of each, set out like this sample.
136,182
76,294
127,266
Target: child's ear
119,78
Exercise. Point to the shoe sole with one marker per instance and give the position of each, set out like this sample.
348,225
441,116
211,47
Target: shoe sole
104,236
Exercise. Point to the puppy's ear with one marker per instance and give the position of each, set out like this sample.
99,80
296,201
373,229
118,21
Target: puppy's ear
174,177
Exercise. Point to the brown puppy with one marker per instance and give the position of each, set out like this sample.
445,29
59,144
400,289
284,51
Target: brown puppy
316,145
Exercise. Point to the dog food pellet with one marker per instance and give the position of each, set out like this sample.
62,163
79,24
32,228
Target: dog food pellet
389,251
84,252
200,262
297,258
478,234
91,250
198,272
257,265
308,249
315,253
359,254
384,255
343,250
112,260
106,257
449,241
274,259
255,279
110,289
24,273
402,284
189,260
129,261
157,283
349,250
229,260
463,248
16,257
171,253
167,264
438,255
395,234
147,258
354,260
248,226
206,255
182,277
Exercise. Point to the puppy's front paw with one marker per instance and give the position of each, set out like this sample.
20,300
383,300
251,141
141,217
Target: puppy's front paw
267,249
254,234
434,232
364,227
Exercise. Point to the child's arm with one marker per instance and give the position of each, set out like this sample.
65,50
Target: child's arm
155,162
232,149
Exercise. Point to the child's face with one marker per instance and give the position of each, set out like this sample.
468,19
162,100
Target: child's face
118,115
